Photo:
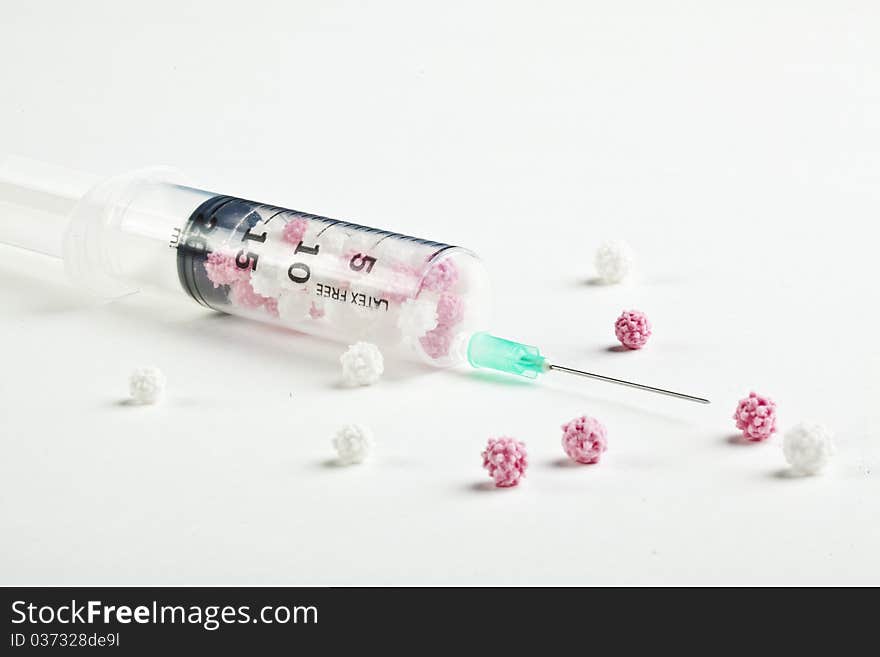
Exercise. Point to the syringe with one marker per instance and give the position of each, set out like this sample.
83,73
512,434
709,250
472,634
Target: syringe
316,275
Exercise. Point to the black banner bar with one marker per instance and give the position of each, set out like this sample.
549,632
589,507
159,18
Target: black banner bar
149,621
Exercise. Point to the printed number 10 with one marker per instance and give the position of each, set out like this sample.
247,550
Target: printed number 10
299,272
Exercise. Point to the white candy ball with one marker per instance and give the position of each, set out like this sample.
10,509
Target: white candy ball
614,261
269,279
416,318
294,305
353,443
362,364
146,385
808,447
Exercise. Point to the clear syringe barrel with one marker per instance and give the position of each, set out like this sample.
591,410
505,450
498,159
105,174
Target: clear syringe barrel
329,278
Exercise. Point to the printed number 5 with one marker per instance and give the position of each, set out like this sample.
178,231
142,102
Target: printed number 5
246,260
359,261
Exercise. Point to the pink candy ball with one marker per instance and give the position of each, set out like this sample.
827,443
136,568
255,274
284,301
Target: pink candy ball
450,310
506,460
633,329
756,417
271,306
222,270
584,439
437,342
294,230
441,277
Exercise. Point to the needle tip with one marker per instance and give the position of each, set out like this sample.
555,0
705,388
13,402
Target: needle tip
630,384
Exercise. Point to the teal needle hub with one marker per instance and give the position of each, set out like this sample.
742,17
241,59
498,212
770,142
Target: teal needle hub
492,352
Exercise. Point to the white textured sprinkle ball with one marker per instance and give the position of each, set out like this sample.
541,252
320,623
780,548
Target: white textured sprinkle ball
146,385
269,279
416,318
353,443
615,261
808,447
362,364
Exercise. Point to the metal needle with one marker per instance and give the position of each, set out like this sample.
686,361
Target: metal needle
629,384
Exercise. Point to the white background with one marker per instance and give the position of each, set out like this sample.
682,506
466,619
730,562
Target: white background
735,145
